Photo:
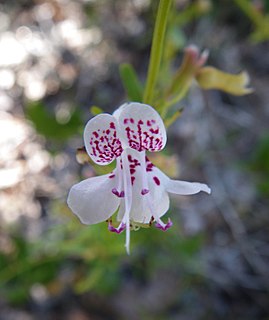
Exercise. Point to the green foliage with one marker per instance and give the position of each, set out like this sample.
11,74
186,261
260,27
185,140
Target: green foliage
94,257
259,164
23,267
131,82
47,124
259,19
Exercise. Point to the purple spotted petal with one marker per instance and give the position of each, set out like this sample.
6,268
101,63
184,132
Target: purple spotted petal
101,139
141,127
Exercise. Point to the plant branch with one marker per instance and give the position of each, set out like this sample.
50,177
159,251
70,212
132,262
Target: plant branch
156,50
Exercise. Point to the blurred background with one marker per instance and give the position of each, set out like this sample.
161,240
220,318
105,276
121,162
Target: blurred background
58,58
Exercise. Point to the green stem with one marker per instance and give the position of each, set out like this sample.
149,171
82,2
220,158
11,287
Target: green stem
156,50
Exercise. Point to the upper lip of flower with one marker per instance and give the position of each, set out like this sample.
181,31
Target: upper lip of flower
136,186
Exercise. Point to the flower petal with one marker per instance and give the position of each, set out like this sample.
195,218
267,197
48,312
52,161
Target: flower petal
141,127
149,199
186,188
212,78
158,192
92,199
101,139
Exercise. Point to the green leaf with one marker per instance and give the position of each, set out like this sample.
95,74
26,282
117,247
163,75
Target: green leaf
130,82
49,125
259,164
170,120
16,295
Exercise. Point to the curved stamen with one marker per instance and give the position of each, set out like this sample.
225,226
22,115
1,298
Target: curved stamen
119,229
160,225
127,186
117,190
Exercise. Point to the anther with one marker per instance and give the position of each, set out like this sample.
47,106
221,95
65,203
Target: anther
118,230
162,226
117,193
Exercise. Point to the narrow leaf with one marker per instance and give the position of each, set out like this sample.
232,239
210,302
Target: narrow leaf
169,121
131,82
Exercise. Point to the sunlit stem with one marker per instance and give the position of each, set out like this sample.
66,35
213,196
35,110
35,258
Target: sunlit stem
156,50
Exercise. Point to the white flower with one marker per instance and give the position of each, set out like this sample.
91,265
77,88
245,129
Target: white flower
136,189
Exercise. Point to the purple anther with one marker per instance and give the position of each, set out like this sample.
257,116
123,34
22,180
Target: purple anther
117,193
164,227
118,230
144,191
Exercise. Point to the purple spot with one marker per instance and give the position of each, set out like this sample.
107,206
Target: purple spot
149,167
140,122
111,176
154,131
95,134
144,191
112,125
156,180
132,180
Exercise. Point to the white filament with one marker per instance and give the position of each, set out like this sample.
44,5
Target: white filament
127,184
